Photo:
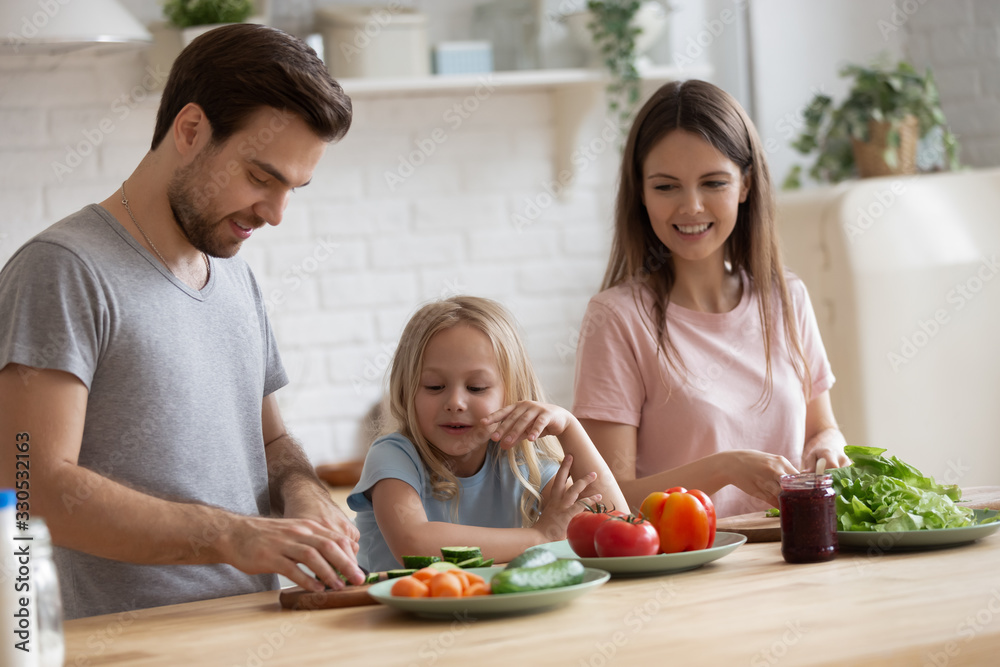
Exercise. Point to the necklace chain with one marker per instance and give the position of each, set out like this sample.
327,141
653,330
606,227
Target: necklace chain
208,266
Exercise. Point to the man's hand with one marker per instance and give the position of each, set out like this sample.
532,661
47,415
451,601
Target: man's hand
257,545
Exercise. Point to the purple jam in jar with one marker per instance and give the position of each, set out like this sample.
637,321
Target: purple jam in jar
808,518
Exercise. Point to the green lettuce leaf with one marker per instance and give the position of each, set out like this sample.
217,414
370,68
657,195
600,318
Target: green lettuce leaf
888,495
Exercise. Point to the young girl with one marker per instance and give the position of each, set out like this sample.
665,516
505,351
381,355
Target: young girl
469,461
700,363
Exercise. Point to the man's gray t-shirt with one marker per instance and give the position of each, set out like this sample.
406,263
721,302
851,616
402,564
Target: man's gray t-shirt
176,379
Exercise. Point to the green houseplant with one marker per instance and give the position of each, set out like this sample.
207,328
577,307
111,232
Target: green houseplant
874,131
614,32
189,13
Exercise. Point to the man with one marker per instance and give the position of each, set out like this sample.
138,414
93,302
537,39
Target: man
138,363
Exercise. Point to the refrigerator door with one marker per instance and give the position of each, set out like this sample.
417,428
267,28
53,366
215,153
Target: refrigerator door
901,272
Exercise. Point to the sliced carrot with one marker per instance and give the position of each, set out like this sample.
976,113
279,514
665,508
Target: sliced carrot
410,587
468,579
478,588
425,574
446,585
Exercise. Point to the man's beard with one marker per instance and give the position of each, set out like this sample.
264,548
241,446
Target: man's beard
193,211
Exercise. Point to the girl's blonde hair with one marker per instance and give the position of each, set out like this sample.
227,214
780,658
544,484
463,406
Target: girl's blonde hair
516,373
638,255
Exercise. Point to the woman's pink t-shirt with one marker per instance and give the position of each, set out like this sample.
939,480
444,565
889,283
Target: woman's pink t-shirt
621,379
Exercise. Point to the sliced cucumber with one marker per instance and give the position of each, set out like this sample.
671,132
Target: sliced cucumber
459,554
417,562
532,557
393,574
372,578
472,562
486,563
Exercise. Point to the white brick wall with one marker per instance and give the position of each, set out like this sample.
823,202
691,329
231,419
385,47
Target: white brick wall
960,41
352,259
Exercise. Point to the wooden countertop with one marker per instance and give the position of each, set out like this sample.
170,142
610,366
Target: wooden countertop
936,607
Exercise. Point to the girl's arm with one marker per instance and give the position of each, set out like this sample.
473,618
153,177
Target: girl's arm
403,521
752,471
530,420
823,437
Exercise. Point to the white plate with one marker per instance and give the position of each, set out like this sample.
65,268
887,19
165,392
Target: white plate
725,543
919,539
481,606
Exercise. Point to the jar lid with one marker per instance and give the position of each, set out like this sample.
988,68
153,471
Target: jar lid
806,480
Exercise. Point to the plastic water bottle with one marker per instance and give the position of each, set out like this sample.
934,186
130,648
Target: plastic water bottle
19,646
48,606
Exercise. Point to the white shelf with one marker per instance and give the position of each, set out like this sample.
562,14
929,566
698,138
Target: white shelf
514,80
575,92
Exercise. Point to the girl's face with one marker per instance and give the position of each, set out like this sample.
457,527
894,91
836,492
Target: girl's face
692,193
459,385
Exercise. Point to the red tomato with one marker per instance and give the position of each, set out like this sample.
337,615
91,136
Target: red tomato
626,536
582,527
683,525
710,510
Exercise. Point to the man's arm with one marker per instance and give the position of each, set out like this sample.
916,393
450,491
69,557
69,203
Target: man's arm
91,513
296,491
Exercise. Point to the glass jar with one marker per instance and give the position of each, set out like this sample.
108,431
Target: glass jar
48,604
808,518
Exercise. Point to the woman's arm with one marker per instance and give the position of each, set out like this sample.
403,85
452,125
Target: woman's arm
823,437
401,518
754,472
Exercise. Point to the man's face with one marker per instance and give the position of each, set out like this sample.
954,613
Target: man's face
229,190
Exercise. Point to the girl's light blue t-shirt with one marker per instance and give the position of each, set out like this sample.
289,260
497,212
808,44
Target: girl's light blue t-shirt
490,498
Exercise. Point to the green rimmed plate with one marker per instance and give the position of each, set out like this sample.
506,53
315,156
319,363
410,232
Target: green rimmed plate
484,606
919,539
725,543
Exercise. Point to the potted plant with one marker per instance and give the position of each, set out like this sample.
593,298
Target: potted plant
618,32
194,17
874,132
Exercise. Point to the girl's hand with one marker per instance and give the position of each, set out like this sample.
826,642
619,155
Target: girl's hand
757,473
527,420
563,503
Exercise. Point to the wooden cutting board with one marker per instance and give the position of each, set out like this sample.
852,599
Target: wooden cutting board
756,526
352,596
759,528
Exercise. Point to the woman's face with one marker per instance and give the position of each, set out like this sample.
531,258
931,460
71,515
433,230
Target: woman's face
692,193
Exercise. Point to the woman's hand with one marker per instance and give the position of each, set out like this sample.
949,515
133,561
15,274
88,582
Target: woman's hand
757,473
828,444
526,420
561,503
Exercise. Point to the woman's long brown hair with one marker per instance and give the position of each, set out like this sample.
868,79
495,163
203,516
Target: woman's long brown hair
638,255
